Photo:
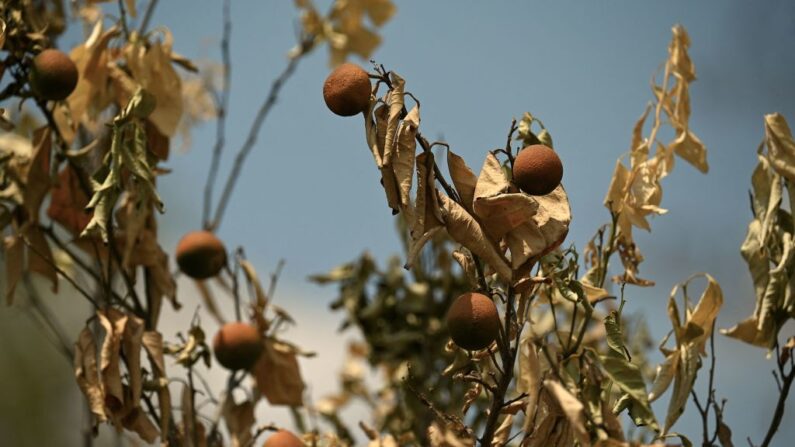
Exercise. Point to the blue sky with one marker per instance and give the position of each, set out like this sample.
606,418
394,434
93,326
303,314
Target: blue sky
310,194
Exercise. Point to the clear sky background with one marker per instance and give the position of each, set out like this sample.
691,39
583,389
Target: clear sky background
310,193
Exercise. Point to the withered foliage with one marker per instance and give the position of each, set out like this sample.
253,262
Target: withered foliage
93,161
568,363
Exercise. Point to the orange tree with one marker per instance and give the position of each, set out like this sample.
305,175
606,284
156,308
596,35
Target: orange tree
563,363
499,334
85,131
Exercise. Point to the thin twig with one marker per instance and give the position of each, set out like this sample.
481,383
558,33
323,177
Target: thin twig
51,321
150,8
123,20
787,380
508,150
222,109
248,145
60,271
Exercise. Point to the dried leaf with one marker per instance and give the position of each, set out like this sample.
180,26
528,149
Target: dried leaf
614,200
529,379
572,408
37,180
688,146
153,343
375,131
491,180
681,66
151,67
403,158
427,217
278,376
682,364
465,230
503,432
68,202
464,259
113,322
684,378
87,374
463,178
92,94
780,145
239,420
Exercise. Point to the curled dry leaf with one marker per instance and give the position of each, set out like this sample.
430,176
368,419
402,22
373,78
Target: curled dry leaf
87,373
463,178
239,420
278,376
150,65
68,202
780,145
427,217
635,192
465,230
37,178
572,408
768,245
110,397
681,364
530,226
467,263
346,32
92,94
393,145
153,344
529,378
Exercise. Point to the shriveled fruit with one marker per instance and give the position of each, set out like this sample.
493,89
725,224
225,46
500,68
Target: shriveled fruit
283,438
53,75
537,170
473,321
347,90
200,254
237,346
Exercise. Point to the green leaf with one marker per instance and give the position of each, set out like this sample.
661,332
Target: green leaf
128,150
628,378
615,338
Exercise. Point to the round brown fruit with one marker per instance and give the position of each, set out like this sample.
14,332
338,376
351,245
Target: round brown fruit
200,254
53,75
283,438
347,90
237,346
473,321
537,170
